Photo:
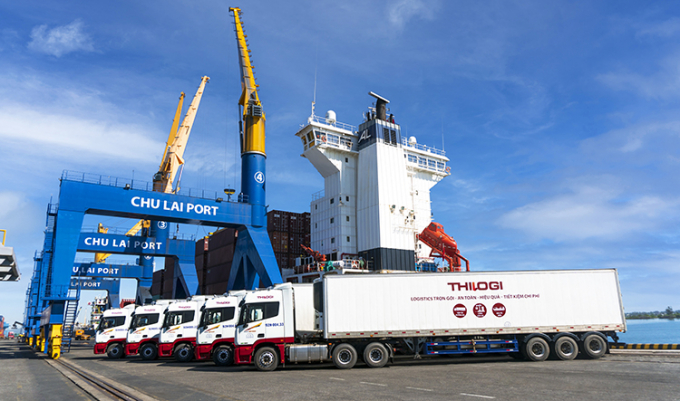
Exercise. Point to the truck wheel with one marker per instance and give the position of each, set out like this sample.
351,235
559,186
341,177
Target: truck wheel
184,353
344,356
594,346
223,356
266,359
536,349
566,348
148,352
115,351
376,355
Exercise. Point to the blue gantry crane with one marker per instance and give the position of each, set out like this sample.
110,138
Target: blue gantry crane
52,292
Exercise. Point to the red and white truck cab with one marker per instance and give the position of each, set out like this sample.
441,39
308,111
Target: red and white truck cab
178,333
145,330
111,334
265,322
215,336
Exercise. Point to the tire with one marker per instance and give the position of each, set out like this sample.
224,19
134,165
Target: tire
266,359
223,355
148,352
376,355
184,353
115,351
536,349
594,346
345,356
565,348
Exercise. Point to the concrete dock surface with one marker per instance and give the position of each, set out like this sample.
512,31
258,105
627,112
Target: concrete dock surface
621,375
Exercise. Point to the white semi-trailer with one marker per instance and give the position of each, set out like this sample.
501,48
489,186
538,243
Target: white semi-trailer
111,333
528,314
215,337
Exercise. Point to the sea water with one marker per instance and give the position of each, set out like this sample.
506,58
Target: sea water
651,331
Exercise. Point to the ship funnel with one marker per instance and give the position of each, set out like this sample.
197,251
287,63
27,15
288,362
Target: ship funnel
380,106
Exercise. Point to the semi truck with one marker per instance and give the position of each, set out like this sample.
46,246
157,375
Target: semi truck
145,330
374,317
111,334
215,337
178,333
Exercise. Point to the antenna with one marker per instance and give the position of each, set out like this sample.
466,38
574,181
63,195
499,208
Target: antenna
443,149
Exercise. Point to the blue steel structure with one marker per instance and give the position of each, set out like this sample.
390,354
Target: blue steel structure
253,261
81,194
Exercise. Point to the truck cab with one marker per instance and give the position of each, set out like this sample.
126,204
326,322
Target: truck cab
178,332
145,330
265,324
215,337
111,334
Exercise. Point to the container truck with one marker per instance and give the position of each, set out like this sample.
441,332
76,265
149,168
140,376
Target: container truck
215,337
145,330
344,318
178,332
111,333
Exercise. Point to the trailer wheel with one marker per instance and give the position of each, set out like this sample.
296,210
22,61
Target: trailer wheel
266,359
115,351
566,348
148,352
594,346
184,353
223,356
344,356
376,355
536,349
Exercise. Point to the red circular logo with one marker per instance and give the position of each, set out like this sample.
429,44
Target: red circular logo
479,310
459,310
498,310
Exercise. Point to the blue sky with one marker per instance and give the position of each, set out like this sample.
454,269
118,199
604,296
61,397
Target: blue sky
561,119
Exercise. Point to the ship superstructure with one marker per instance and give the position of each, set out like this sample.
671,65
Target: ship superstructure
376,195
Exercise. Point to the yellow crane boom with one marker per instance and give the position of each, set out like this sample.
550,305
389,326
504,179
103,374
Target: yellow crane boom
173,156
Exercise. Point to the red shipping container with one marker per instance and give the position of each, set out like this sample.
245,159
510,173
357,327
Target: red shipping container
221,255
218,273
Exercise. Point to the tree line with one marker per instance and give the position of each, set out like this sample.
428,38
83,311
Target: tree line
669,313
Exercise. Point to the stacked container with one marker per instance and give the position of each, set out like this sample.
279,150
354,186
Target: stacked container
287,231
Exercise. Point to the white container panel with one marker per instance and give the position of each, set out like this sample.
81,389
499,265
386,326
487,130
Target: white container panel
503,302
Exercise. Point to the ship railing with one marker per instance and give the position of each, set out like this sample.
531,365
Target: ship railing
336,124
127,183
318,195
334,140
427,163
429,149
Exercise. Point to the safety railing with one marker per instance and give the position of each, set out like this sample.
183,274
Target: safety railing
427,163
336,124
318,195
424,148
127,183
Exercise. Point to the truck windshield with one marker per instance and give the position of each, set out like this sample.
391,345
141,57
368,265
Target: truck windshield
217,315
178,317
143,319
258,311
111,321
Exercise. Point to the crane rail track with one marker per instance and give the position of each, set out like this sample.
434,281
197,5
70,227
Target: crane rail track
107,388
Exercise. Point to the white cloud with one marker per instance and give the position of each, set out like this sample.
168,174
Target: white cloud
60,40
402,11
71,138
663,84
10,203
664,29
591,210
